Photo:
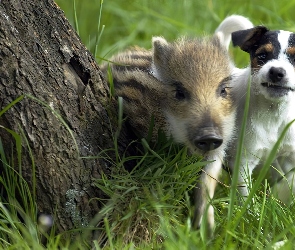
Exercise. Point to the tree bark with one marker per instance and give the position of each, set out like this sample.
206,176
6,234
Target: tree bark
42,56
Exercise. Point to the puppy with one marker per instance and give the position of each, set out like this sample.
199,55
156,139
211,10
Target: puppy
272,105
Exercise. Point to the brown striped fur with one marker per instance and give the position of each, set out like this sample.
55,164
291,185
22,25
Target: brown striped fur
185,86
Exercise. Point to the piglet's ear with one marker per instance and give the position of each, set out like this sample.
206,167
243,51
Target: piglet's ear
159,43
161,50
245,39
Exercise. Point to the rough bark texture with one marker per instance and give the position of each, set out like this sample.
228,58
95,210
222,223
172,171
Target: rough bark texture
41,55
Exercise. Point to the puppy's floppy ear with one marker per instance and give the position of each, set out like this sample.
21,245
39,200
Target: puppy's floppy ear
245,39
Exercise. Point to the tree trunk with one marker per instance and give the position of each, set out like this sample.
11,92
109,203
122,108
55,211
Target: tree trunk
42,56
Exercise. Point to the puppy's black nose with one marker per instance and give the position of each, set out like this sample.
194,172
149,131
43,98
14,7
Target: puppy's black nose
276,74
208,142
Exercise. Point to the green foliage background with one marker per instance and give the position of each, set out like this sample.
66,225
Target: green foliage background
134,22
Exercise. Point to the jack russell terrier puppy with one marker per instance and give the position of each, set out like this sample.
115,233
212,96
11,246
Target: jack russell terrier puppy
271,108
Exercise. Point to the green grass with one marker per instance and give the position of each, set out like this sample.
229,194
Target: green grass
150,207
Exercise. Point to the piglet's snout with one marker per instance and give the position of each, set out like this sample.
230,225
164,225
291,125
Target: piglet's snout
208,139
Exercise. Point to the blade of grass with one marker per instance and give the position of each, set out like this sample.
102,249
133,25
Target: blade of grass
34,181
18,145
262,212
100,32
120,123
232,196
11,104
76,18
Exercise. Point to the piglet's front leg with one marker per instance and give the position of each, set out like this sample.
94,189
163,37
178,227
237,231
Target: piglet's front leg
203,193
247,166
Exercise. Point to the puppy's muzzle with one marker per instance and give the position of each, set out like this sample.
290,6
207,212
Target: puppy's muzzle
208,139
277,82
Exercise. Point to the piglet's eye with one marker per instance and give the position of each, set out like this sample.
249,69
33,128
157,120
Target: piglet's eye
179,94
223,92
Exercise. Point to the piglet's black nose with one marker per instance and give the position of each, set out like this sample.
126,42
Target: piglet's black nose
208,142
276,74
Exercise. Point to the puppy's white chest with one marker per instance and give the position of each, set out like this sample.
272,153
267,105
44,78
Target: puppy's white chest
265,129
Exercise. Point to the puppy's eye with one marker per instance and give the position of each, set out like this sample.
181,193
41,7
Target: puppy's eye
292,59
261,56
